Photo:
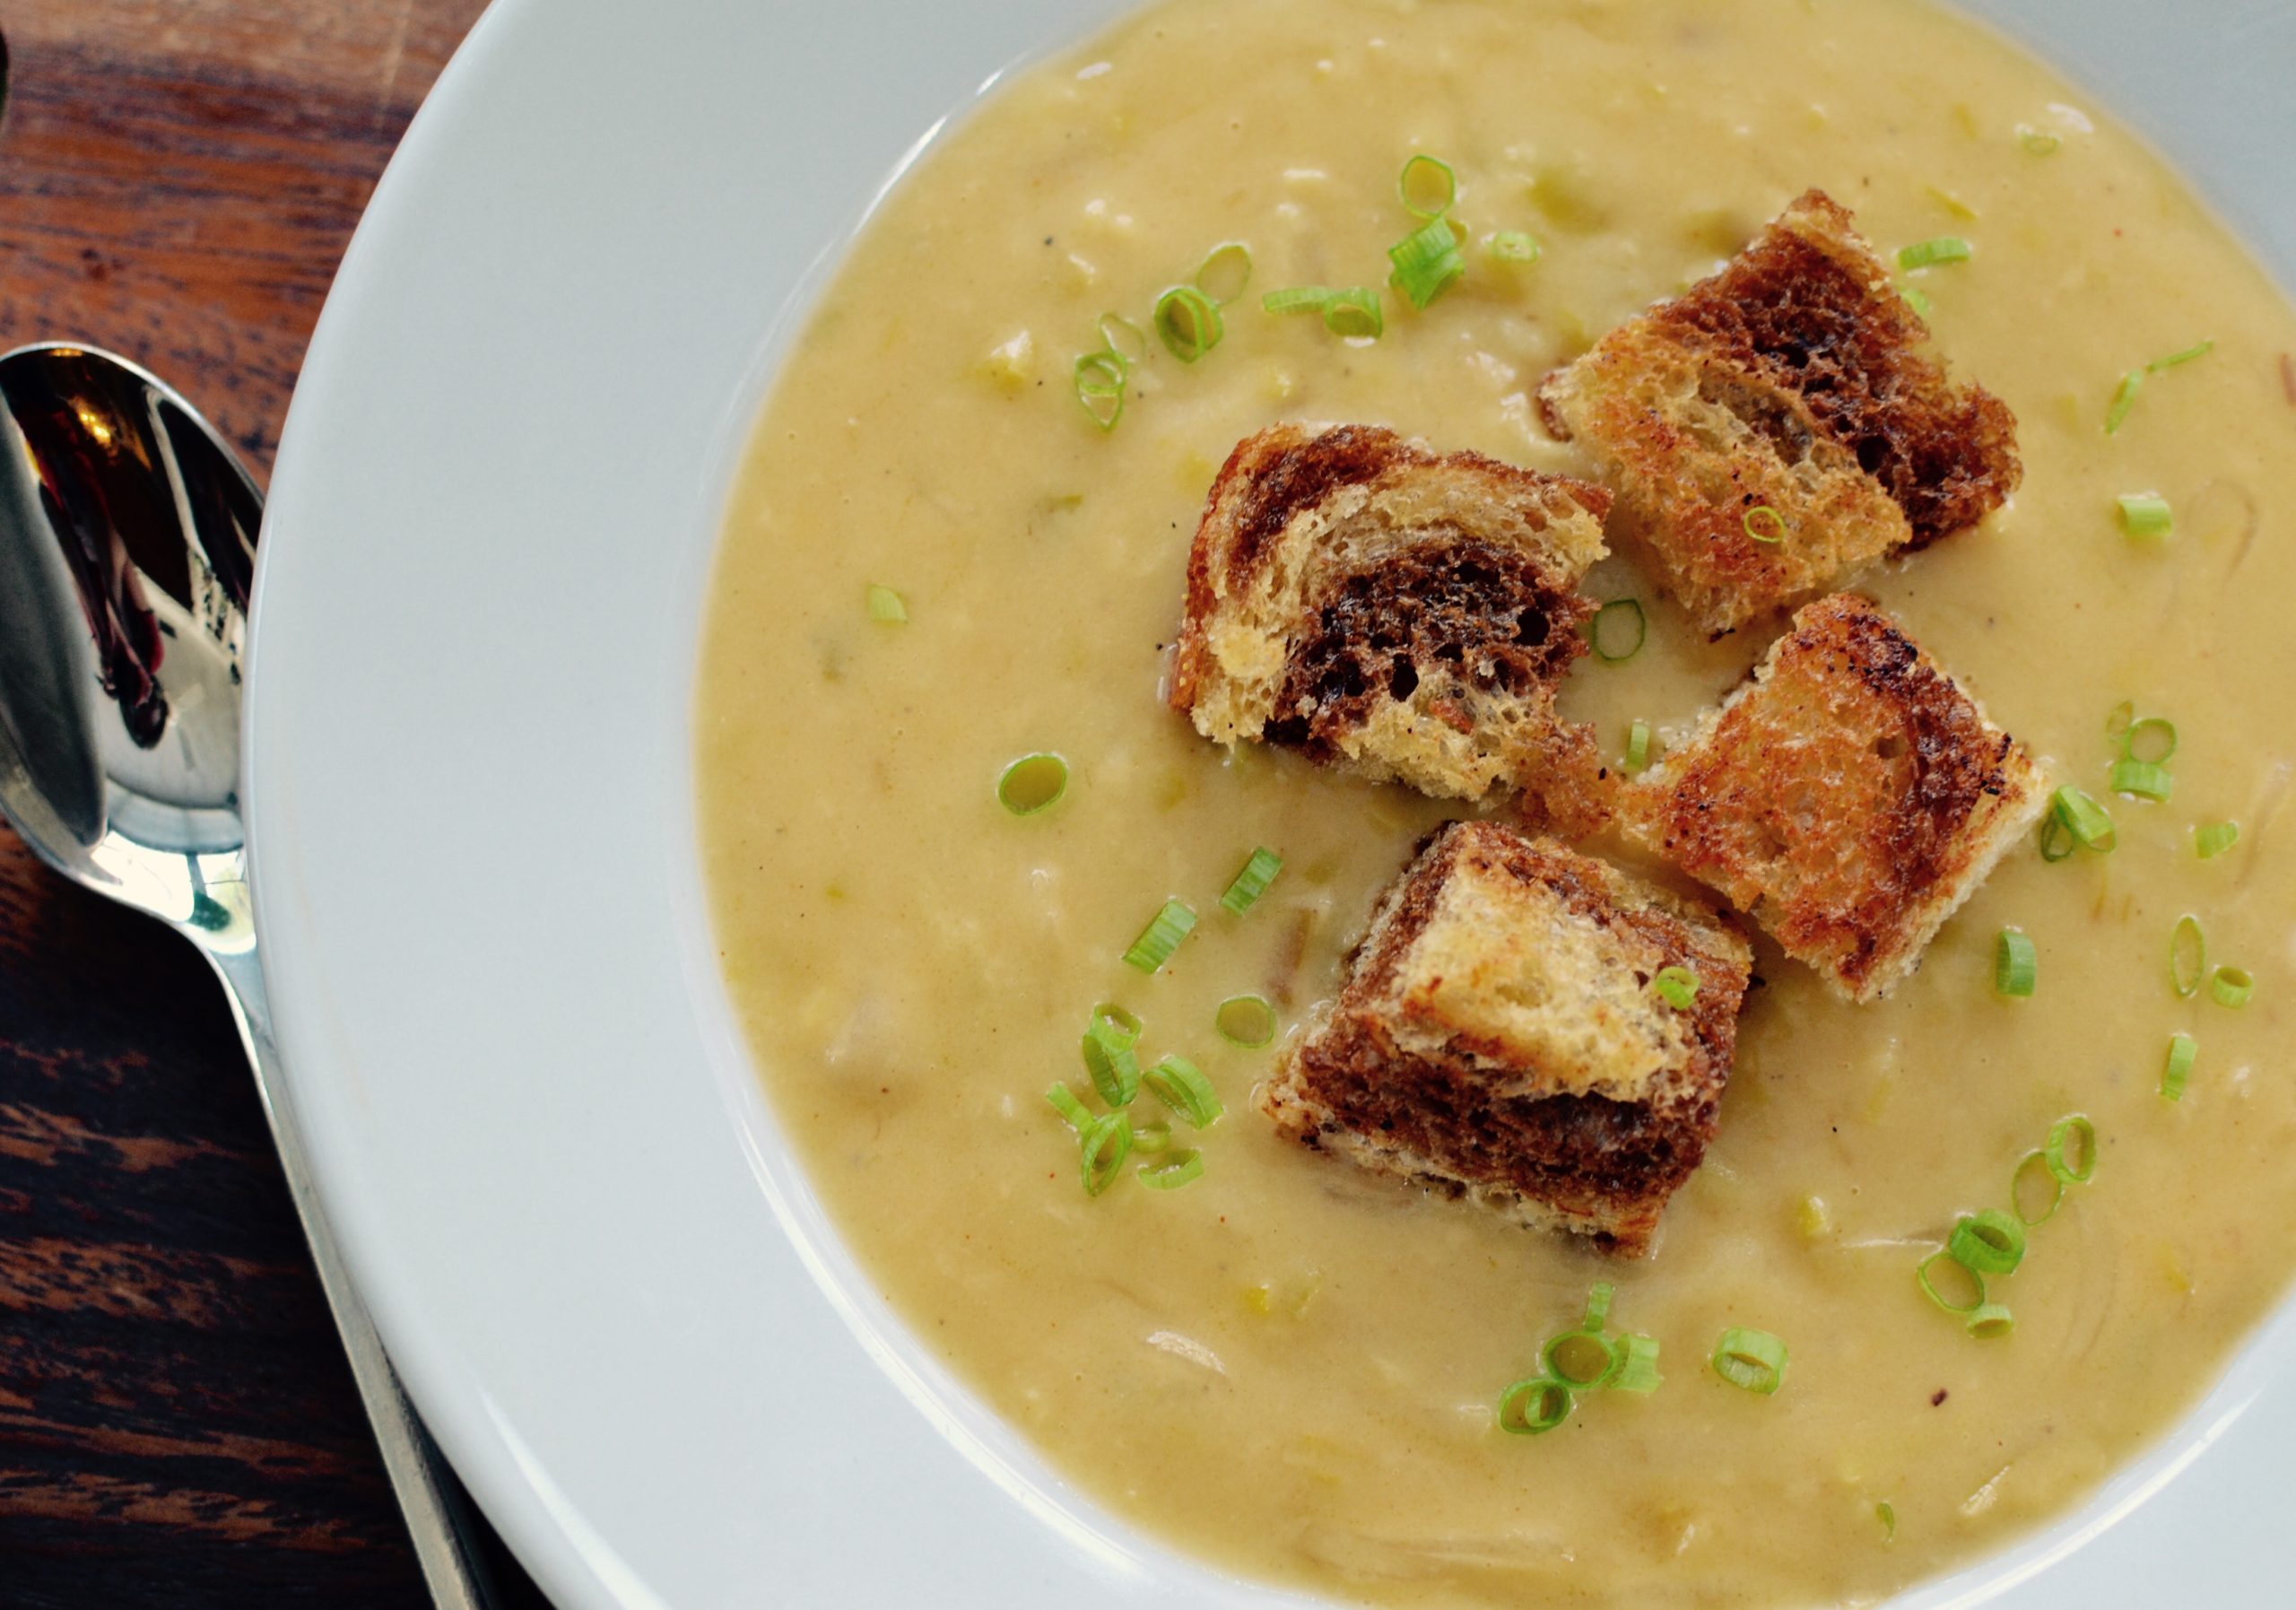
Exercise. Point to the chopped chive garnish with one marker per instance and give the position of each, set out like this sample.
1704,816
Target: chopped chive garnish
2182,1050
2072,1149
2152,739
1101,378
1105,1143
1752,1360
1064,1103
2213,838
1427,187
1529,1407
1598,1305
1117,1022
1987,1241
1962,1273
1188,322
1297,298
1638,1367
1354,315
1513,245
2038,141
1581,1359
1618,630
1764,524
2056,839
1426,261
1675,985
1944,248
1259,871
2014,963
1110,1060
2146,514
885,605
1226,270
2199,349
2188,956
1638,745
2143,780
1170,1173
1034,783
1180,1085
2033,1167
2124,399
1917,299
1126,340
1990,1320
1887,1514
1161,936
2089,822
2231,986
1246,1021
1150,1138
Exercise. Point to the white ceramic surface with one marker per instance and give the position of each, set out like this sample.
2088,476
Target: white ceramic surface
606,1281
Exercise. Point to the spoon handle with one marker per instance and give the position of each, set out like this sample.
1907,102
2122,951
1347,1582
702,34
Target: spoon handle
438,1513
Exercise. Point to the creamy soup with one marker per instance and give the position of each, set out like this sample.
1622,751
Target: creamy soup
1288,1367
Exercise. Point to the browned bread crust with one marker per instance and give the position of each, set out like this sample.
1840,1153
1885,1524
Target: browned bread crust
1796,378
1496,1038
1396,613
1848,796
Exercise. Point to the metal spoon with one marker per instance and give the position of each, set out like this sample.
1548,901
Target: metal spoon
127,534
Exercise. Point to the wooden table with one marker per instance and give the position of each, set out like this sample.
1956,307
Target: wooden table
177,1428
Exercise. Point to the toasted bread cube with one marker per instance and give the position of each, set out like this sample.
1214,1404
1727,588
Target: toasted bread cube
1792,381
1498,1037
1396,613
1848,796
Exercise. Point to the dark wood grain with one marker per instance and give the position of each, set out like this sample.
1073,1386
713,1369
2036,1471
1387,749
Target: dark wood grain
177,182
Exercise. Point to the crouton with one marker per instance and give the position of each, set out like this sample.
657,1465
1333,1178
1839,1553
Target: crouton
1848,796
1498,1036
1790,381
1395,614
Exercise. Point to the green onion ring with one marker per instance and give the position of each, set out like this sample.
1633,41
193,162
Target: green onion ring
2182,1051
2064,1129
1675,985
1441,175
1989,1322
1170,1173
1763,524
2187,982
1106,1142
1610,642
1188,322
2089,822
1558,1355
1987,1241
1599,1297
1109,1059
1073,1112
1531,1407
1147,1139
1100,380
1180,1085
1638,1369
1230,260
2017,1177
1033,784
1753,1361
2214,838
2231,986
1246,1021
1929,1287
1258,871
2014,963
2156,735
1161,936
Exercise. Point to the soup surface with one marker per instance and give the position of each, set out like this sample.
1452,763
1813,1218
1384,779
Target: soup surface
1290,1368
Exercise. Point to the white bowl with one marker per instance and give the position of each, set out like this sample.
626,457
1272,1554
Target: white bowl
606,1282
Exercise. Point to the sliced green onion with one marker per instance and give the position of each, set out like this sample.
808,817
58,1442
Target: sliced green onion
2213,838
2038,141
1961,1271
2200,349
1101,378
1426,178
1598,1305
1113,1065
2146,514
1987,1241
2061,1150
1170,1173
1581,1359
1618,630
2124,399
1117,1021
1180,1085
1147,1139
2014,963
2034,1166
1637,1368
2056,839
2088,822
1752,1360
2143,780
1259,871
1106,1142
1298,298
1888,1516
1426,261
1246,1021
885,605
2182,1050
2231,986
1161,936
1122,338
1513,245
1064,1103
1529,1407
1918,300
1188,322
1225,272
1034,783
1923,253
1990,1321
1675,985
1353,314
2118,720
1638,745
2152,739
2188,956
1764,524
